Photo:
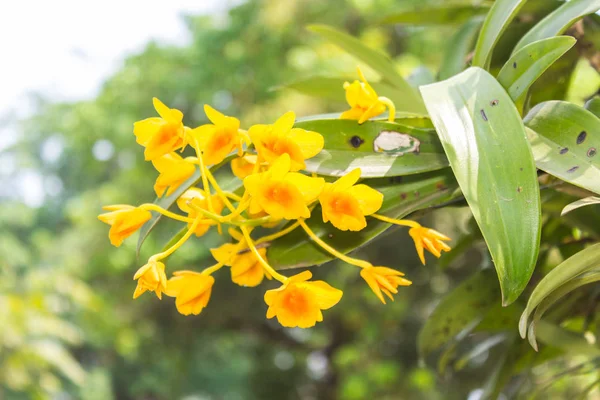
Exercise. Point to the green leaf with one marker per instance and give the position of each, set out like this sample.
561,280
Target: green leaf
437,14
558,21
553,297
528,64
376,60
400,199
165,202
459,311
496,22
459,47
484,139
570,342
580,203
582,262
565,139
593,106
402,150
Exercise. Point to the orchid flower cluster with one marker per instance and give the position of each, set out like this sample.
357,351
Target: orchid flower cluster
269,159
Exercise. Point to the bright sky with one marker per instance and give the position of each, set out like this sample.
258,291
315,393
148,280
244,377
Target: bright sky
64,49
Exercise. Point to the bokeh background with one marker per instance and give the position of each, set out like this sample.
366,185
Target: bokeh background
75,76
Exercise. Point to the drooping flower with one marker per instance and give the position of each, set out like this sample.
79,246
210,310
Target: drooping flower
173,171
151,277
162,135
245,268
124,220
218,139
198,198
428,239
271,141
346,204
191,291
280,193
298,303
383,279
363,100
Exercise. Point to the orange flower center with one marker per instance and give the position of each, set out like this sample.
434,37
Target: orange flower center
296,301
344,204
280,193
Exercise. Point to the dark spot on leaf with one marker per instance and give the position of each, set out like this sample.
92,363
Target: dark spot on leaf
469,288
575,168
396,179
417,194
330,235
440,186
564,150
446,330
591,152
483,115
356,141
521,169
403,196
519,189
514,65
494,103
581,137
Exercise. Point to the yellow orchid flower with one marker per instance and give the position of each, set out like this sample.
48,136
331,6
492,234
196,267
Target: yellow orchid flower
173,171
162,135
364,101
151,277
124,220
298,303
191,291
218,139
245,267
271,141
346,204
280,193
383,279
429,239
198,197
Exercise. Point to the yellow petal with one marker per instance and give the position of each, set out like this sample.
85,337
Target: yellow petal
145,129
369,199
353,113
252,183
224,253
346,181
280,167
221,120
166,113
310,143
283,125
326,295
310,187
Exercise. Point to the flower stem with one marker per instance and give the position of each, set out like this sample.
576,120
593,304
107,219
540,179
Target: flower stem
279,234
390,106
261,260
212,269
331,250
180,242
169,214
403,222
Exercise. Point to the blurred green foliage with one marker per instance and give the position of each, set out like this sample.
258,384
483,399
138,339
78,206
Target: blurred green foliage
68,325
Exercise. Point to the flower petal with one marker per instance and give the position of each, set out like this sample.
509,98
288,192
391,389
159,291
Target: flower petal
369,199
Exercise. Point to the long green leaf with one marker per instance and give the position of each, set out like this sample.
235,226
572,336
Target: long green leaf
459,47
484,139
565,140
553,297
529,63
496,22
593,106
376,60
402,150
580,203
558,21
572,267
570,342
400,199
459,311
437,14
